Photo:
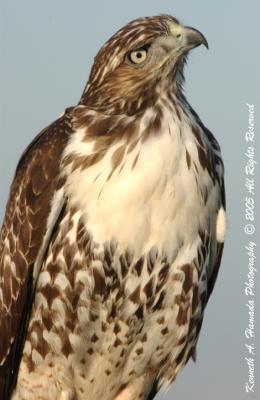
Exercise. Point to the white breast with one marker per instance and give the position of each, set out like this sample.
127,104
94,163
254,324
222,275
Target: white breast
156,202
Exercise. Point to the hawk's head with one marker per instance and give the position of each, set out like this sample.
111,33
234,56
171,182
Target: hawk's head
138,63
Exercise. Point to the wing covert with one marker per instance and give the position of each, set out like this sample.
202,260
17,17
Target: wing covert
35,201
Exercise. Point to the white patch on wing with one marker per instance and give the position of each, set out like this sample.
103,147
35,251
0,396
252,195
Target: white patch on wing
221,225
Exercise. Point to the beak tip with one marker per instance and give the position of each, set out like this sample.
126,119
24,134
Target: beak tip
196,38
205,42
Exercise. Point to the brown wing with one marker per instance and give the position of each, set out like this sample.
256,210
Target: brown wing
211,279
26,226
220,247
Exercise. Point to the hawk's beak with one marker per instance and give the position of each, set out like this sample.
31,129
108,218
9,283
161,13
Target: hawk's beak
194,38
186,38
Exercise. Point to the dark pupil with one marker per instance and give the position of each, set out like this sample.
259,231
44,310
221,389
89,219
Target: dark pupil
139,55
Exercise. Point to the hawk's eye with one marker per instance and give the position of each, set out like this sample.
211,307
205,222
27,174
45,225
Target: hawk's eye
138,56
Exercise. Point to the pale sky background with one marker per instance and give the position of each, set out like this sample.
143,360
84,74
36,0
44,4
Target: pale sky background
46,50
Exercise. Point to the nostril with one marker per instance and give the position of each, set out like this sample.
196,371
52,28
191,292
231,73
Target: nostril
178,35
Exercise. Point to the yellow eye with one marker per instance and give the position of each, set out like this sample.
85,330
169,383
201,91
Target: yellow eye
137,56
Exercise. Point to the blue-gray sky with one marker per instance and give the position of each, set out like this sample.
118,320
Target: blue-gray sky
47,48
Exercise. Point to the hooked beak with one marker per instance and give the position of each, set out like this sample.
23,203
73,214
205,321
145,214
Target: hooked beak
194,38
186,38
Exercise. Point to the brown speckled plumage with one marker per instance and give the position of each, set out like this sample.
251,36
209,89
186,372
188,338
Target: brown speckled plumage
114,231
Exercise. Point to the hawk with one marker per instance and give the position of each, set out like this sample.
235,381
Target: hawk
114,230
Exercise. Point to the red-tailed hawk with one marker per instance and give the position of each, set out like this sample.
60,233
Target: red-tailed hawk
113,232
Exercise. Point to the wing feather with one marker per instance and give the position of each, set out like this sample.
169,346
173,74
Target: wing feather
220,247
35,201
